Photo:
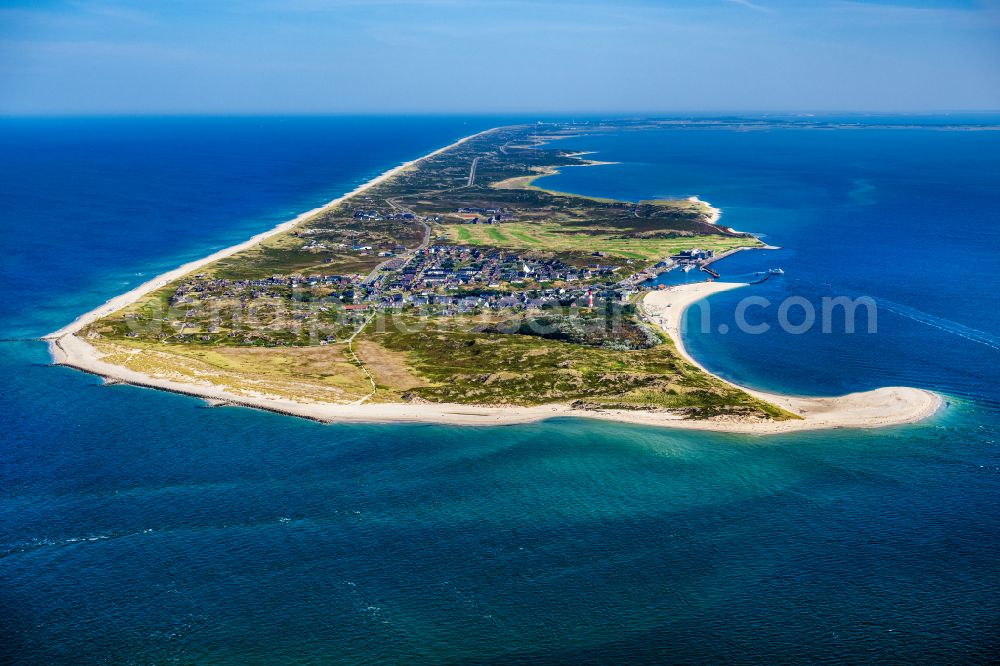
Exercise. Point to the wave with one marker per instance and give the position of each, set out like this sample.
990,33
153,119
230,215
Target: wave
35,544
946,325
934,321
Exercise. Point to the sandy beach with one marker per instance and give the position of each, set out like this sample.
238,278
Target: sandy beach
891,405
881,407
129,297
715,214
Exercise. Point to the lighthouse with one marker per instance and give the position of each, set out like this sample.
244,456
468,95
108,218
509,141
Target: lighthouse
590,298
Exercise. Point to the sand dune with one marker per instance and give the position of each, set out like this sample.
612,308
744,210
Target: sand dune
881,407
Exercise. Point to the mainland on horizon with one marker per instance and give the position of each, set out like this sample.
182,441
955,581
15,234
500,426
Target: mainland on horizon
453,289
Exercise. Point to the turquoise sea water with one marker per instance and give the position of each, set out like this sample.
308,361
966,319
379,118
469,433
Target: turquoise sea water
142,527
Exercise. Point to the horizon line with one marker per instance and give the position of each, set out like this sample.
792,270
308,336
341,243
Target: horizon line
588,114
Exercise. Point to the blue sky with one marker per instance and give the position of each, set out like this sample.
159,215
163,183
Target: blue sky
503,56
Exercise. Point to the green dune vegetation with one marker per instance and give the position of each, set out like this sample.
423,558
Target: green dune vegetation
551,235
456,280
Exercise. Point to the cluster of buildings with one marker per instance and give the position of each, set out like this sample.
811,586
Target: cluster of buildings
276,286
488,215
693,255
535,299
452,279
375,214
459,266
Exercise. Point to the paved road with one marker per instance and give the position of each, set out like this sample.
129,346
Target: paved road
472,173
402,257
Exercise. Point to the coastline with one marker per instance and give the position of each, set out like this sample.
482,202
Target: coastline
528,182
881,407
118,302
871,409
714,215
886,406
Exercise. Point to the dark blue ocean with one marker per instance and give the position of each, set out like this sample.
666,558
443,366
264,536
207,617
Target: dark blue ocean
143,527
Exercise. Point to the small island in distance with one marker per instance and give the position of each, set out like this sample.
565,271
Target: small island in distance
455,289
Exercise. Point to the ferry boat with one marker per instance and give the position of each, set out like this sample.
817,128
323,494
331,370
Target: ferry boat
776,271
687,267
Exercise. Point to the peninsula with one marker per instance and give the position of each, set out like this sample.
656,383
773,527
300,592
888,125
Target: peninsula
455,289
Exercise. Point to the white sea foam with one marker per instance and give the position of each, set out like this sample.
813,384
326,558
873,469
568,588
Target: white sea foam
946,325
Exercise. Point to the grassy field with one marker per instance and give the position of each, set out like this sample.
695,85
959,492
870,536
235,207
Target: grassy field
447,360
551,236
320,374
